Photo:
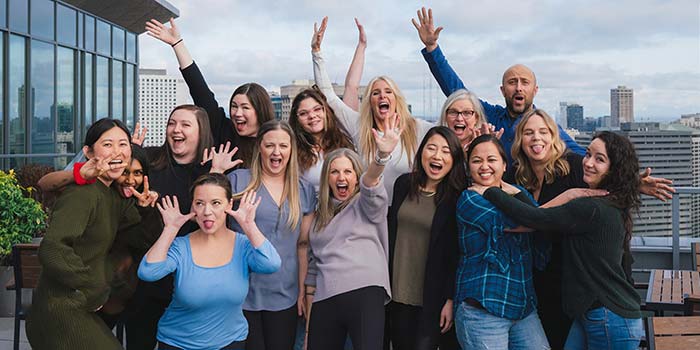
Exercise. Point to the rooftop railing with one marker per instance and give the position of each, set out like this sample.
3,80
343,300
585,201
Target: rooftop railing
675,215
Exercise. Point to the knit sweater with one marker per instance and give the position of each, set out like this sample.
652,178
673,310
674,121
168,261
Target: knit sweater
74,278
592,247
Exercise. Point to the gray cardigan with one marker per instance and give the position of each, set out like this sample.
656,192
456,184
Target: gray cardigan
352,251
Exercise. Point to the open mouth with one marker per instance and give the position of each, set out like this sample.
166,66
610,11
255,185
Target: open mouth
208,224
537,149
460,128
276,162
485,175
435,167
519,98
178,140
240,123
126,192
342,189
115,161
384,107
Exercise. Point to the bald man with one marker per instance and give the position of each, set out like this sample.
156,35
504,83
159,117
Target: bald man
519,86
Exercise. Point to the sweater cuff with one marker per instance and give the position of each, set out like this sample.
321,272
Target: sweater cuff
79,179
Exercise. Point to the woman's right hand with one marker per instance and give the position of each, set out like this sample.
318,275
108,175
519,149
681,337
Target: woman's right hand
318,35
386,143
96,166
426,29
222,160
245,214
172,217
159,31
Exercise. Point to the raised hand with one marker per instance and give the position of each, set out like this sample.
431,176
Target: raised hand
362,40
139,134
390,137
145,198
426,30
97,166
159,31
221,160
172,217
318,35
245,214
658,187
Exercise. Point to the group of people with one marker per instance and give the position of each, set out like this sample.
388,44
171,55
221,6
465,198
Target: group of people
491,229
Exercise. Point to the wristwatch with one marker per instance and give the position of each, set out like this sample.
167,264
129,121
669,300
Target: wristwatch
381,161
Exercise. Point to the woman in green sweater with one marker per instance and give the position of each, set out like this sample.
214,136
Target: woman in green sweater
598,292
74,279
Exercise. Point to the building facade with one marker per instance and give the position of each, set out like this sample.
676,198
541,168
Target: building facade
64,64
574,117
621,106
159,93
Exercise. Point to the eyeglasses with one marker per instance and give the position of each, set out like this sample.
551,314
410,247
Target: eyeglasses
303,114
455,113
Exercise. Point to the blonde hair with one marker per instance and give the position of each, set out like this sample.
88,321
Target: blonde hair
463,94
409,138
326,209
555,164
291,173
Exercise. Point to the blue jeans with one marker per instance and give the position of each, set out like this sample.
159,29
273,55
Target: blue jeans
603,329
478,329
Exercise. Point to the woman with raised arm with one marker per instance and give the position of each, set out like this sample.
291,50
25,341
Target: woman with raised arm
285,213
382,100
597,291
423,243
74,283
351,94
250,105
211,267
317,131
348,278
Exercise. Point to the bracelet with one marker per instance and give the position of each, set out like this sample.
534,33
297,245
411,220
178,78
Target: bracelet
307,293
381,161
177,42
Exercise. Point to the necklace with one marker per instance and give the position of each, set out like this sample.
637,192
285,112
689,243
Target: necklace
425,193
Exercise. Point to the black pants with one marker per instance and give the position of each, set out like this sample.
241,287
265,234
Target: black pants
359,313
141,319
405,333
271,330
236,345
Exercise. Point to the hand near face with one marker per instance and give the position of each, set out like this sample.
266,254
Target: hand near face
97,166
139,134
159,31
170,211
222,160
386,143
426,29
245,214
147,197
318,35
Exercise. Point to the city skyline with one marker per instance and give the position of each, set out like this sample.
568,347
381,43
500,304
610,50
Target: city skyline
578,50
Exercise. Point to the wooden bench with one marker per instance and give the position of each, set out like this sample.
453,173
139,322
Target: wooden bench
25,261
667,288
695,251
672,333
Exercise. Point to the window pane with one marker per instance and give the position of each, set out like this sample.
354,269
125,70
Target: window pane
129,95
117,43
3,13
131,47
89,33
104,38
42,18
19,15
81,42
88,116
2,95
17,97
117,91
102,85
65,101
66,27
43,136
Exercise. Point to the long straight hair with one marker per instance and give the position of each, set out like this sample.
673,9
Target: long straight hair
291,173
165,154
326,208
262,104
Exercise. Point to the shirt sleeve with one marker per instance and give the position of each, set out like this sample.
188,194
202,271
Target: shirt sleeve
443,73
308,197
263,259
347,115
154,271
374,201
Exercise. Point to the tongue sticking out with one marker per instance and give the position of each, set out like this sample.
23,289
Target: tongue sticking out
537,149
208,224
126,192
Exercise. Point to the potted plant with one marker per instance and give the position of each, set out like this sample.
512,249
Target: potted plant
21,217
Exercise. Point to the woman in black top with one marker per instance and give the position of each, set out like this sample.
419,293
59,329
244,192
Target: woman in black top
250,105
597,292
423,244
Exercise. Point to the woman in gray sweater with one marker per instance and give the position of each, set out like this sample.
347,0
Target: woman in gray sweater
348,278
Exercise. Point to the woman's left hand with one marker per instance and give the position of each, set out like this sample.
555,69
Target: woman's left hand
480,189
147,197
386,143
446,319
658,187
245,214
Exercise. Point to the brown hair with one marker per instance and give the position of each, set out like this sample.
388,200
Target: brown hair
164,156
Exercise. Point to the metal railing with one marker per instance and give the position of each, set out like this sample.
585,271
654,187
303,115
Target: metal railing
676,220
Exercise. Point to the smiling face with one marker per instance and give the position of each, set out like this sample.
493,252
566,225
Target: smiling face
436,160
536,140
595,163
460,118
210,203
382,101
182,135
311,116
244,116
131,177
113,142
342,178
486,165
519,89
275,150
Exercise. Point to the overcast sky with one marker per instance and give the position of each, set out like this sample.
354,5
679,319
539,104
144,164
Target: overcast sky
578,49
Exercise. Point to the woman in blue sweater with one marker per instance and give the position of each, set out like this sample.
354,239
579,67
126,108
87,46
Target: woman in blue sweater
211,267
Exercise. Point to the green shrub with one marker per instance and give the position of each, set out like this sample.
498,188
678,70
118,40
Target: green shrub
20,216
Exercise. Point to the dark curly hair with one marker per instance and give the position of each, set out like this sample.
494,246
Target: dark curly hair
622,178
334,134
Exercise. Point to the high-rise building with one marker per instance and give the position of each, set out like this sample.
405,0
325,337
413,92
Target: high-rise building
621,106
159,93
64,64
574,117
561,116
288,92
695,166
668,152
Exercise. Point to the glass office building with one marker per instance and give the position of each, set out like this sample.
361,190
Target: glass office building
62,67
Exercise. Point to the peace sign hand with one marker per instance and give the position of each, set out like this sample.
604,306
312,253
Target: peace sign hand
145,198
386,143
139,134
222,160
97,166
318,35
159,31
173,219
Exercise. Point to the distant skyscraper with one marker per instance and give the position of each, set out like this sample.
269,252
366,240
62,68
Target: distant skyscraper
574,117
561,117
159,93
621,106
